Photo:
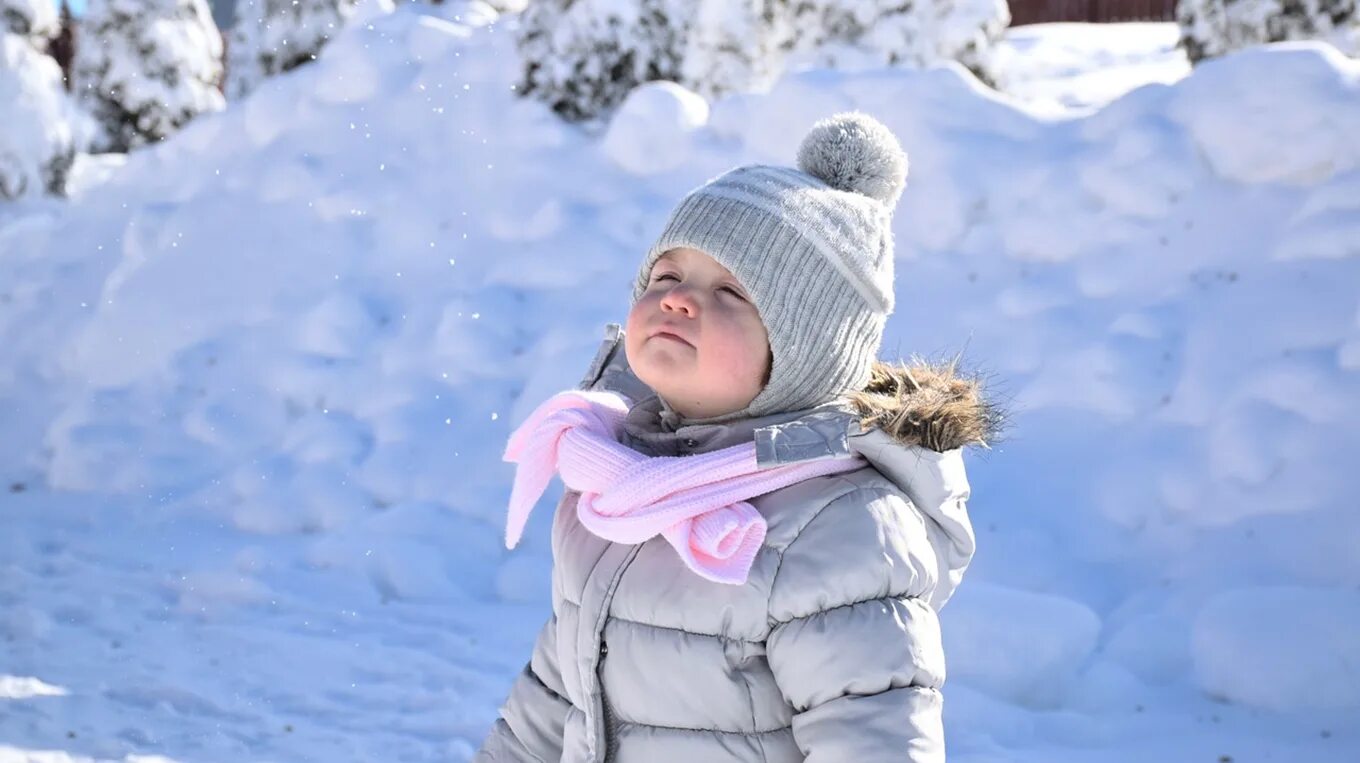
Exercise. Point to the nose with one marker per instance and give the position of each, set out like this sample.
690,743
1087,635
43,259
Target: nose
680,299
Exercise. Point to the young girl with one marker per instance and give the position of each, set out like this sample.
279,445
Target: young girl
761,520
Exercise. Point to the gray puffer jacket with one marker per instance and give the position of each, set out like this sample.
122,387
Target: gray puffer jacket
829,652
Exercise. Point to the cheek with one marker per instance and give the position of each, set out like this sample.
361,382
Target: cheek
630,328
742,348
636,322
637,313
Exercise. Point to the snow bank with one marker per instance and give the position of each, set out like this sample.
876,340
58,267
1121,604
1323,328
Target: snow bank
652,122
1255,117
1062,66
1021,646
1281,647
277,355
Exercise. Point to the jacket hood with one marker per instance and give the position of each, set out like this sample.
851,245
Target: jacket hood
925,404
910,422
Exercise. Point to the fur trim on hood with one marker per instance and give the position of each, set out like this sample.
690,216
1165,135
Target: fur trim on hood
927,404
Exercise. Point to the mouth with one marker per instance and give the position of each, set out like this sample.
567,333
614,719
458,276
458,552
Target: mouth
663,334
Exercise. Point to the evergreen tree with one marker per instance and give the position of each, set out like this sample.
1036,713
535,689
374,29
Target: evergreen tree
733,46
583,56
842,34
37,146
1211,28
273,36
143,68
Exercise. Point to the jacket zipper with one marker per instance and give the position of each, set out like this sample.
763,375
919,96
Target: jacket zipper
604,705
608,717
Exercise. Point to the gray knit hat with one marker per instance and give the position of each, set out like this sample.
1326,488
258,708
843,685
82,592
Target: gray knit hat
814,248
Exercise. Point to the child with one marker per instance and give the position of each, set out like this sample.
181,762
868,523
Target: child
761,520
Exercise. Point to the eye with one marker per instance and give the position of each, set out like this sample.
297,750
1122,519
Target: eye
729,289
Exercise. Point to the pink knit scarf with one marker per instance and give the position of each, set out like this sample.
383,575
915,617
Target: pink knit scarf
697,503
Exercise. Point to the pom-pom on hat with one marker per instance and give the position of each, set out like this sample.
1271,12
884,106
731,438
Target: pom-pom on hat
814,248
855,152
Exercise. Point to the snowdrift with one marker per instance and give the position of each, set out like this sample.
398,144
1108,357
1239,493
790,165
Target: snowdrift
256,383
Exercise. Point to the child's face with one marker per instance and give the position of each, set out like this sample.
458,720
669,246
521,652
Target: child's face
718,363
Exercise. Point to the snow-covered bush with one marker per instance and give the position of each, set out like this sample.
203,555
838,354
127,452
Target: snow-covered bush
1211,28
583,56
29,18
733,46
853,34
143,68
36,143
272,36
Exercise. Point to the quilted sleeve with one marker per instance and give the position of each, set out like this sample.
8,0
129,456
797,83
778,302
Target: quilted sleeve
854,646
529,729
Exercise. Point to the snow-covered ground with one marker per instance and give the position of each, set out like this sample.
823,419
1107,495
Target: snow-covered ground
254,383
1060,67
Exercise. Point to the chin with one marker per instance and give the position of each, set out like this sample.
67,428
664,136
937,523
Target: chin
648,375
658,385
659,366
665,385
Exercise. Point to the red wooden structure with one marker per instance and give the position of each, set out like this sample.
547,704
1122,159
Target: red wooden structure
1042,11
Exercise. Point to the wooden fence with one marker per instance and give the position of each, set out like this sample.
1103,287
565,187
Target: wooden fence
1041,11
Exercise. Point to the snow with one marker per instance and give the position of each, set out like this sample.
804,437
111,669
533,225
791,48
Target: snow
654,119
29,18
852,36
1214,27
585,56
990,624
157,66
256,379
272,36
14,687
1310,659
40,130
1063,66
1220,105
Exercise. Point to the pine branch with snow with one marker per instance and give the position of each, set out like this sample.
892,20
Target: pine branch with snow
848,34
29,18
274,36
1212,28
583,56
732,46
37,144
143,68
